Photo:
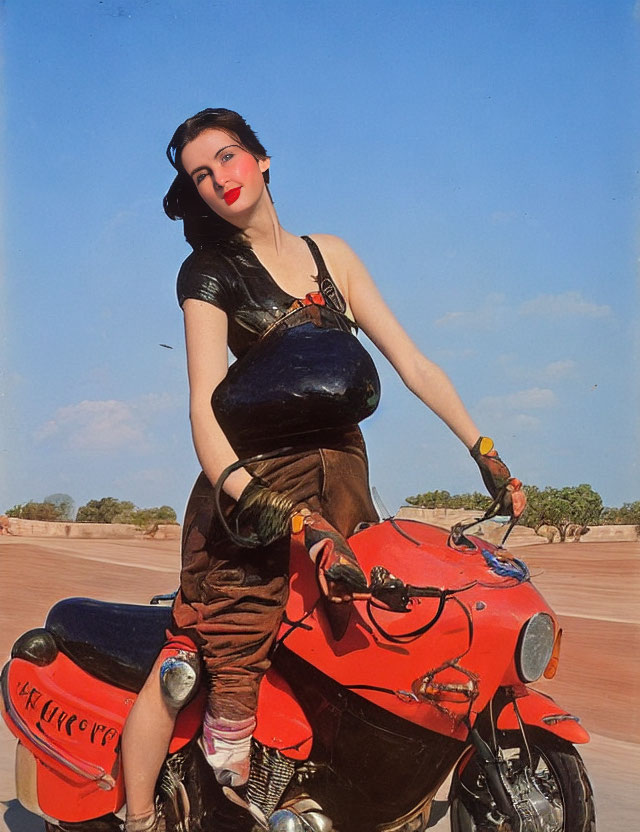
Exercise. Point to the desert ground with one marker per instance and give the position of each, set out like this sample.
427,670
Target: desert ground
594,587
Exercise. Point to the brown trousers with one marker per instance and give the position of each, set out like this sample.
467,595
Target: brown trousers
231,599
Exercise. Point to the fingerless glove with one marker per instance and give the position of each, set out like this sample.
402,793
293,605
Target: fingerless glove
495,473
262,513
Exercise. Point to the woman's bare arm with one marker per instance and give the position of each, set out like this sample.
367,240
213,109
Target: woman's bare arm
206,338
424,378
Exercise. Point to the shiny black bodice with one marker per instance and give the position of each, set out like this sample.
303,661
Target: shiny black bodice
306,375
301,371
230,276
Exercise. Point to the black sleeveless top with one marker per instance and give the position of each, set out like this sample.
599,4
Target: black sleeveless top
300,369
230,276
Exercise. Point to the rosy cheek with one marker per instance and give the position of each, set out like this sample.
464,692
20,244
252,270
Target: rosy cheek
246,165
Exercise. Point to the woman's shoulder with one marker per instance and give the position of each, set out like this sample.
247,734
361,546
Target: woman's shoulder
331,243
213,259
341,259
209,273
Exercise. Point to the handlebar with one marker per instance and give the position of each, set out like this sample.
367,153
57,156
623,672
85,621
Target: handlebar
458,536
384,587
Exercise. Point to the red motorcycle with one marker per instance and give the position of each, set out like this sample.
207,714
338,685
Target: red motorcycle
361,718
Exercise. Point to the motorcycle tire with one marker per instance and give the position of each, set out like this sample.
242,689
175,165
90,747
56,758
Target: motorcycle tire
554,775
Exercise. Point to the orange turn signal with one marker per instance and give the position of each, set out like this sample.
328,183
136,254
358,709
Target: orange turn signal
552,667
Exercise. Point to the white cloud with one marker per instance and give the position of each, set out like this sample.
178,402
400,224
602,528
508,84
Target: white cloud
511,414
487,315
555,371
565,305
104,425
450,318
99,425
494,310
526,422
535,398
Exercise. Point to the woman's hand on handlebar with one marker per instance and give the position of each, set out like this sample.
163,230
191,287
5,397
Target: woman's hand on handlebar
504,488
339,574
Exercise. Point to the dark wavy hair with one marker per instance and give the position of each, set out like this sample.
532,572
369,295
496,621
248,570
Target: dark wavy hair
202,226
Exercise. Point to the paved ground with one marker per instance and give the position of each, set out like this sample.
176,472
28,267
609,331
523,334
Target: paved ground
594,587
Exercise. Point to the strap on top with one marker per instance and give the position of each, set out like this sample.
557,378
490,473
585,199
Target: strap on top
332,295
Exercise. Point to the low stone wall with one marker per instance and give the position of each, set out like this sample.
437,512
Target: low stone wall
521,535
601,533
109,531
443,517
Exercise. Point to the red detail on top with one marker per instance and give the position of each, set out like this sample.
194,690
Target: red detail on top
178,642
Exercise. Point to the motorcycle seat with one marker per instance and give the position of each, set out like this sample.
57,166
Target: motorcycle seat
116,643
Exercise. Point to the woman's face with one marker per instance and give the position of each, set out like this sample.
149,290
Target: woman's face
228,178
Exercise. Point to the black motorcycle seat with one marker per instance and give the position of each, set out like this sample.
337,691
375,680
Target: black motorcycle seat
117,643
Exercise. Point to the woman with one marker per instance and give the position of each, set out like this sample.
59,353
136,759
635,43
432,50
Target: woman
254,287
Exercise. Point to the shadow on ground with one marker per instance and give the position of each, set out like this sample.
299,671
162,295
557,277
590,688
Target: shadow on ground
439,809
18,819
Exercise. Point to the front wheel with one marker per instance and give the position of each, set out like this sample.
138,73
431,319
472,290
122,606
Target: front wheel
547,782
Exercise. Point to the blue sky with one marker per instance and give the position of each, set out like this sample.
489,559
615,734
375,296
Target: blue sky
481,157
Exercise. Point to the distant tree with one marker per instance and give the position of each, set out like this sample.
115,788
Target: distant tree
628,513
110,510
562,507
104,510
65,504
443,499
430,499
474,501
586,504
147,517
37,511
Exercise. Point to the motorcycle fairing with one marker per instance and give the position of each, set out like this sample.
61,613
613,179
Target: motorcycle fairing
72,723
282,723
498,606
538,709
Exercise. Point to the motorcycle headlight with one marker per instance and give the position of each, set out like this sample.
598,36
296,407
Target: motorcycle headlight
535,646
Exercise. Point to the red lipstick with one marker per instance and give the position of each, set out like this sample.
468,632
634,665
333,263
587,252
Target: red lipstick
231,195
